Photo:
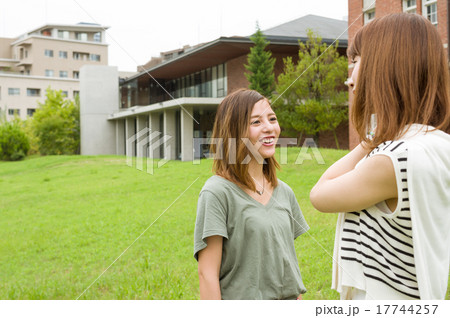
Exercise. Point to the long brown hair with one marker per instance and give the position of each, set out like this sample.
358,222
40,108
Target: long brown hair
231,124
403,77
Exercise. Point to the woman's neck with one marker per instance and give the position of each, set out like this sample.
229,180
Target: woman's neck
255,170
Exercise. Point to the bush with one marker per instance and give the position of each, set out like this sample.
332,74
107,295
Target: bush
28,130
55,137
14,144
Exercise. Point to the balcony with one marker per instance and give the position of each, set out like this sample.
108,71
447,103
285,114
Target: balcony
24,62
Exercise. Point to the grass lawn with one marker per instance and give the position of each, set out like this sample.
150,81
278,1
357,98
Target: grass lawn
65,219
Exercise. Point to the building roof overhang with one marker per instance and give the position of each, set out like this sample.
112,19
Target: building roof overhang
220,51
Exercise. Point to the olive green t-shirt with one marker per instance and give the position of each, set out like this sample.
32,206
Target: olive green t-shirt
258,254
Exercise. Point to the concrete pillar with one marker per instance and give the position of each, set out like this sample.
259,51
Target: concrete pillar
187,133
99,97
120,137
142,136
153,120
130,138
170,134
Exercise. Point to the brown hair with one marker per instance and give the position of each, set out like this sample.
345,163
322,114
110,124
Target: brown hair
232,123
403,77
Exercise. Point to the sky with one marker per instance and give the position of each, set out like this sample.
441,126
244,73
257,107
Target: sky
140,29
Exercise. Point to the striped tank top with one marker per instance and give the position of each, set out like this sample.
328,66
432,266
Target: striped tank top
376,246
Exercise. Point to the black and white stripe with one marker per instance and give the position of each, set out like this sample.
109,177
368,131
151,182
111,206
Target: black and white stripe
383,246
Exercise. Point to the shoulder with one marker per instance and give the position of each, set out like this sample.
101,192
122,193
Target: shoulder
283,187
220,187
435,140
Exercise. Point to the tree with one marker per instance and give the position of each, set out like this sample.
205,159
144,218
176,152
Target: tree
311,96
260,65
56,125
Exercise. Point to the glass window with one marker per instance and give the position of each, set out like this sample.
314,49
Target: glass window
30,111
63,74
76,93
429,10
208,82
76,55
198,84
97,37
63,34
81,36
95,57
13,111
13,91
187,86
33,92
409,6
369,16
48,53
49,73
220,81
63,54
76,74
432,13
65,93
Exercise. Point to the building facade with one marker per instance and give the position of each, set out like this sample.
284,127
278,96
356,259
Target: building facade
49,56
177,94
361,12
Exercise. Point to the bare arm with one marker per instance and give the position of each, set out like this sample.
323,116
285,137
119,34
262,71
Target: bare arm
342,188
209,260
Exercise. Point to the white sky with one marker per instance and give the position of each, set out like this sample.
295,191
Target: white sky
144,28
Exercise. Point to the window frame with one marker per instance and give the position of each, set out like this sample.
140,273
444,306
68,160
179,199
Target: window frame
48,53
62,34
410,9
425,5
97,37
48,72
29,90
94,57
63,55
14,89
13,111
81,36
31,111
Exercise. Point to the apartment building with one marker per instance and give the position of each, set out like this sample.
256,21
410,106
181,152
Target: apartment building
49,56
361,12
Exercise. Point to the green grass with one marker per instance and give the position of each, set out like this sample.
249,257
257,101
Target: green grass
65,219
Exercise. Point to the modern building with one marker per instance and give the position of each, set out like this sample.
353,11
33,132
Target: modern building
361,12
178,93
49,56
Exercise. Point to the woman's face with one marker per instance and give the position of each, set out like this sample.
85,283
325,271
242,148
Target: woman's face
353,79
264,129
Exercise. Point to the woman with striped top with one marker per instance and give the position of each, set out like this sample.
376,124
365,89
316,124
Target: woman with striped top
392,241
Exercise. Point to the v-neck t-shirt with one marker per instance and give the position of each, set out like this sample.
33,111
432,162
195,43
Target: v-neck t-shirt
258,253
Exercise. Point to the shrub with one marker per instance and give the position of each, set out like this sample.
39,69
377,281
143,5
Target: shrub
14,144
28,129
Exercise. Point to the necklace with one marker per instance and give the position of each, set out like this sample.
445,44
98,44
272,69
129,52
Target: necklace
262,191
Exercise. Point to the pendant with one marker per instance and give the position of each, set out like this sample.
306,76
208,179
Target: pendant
260,192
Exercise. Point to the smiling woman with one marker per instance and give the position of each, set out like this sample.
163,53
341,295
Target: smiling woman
247,219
